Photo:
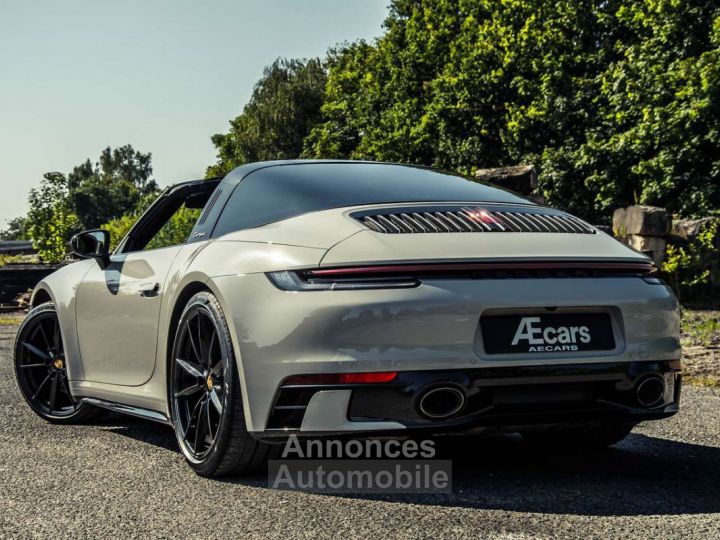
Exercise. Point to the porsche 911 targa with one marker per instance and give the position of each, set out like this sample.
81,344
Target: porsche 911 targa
353,298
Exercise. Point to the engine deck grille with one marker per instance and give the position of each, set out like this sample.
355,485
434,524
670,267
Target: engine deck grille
470,218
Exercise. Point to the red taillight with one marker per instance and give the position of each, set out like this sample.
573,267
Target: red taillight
406,269
481,215
343,378
364,378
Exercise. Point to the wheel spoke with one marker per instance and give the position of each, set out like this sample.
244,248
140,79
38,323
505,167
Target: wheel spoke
210,347
31,366
193,369
57,338
39,388
192,343
216,401
53,393
209,423
203,360
189,391
218,368
66,388
44,335
37,352
201,425
192,415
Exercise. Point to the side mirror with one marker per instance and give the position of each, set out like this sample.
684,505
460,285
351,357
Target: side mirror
93,244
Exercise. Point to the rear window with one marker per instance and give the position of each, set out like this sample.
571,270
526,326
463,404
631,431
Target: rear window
280,192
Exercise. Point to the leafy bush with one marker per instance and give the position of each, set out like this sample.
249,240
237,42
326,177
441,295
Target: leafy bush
50,221
174,232
14,259
616,102
177,230
693,269
119,227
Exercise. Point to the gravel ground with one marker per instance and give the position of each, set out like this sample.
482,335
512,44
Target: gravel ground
701,346
125,478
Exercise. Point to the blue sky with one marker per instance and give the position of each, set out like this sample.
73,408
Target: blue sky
79,75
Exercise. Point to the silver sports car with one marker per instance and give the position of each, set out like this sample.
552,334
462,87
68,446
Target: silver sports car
341,297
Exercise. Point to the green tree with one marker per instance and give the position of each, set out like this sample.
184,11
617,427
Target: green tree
462,84
657,139
119,227
174,232
16,229
342,114
693,267
284,106
615,102
50,220
110,188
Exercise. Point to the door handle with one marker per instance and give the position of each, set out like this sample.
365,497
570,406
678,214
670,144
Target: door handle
151,292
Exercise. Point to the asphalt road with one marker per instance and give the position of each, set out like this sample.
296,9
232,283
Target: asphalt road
125,478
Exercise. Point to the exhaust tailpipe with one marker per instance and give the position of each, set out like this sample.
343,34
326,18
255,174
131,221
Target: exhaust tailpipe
441,402
650,391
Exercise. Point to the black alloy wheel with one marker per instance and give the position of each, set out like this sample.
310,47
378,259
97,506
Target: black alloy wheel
199,382
41,369
205,397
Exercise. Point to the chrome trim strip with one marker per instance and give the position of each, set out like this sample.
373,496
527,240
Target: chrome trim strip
139,412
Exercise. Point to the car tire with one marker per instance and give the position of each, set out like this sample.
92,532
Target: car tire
40,371
205,395
589,437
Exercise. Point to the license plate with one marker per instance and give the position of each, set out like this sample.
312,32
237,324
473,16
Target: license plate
547,333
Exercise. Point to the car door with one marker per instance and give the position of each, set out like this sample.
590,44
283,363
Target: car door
118,306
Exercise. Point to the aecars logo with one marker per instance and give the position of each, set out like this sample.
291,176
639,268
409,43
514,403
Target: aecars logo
550,339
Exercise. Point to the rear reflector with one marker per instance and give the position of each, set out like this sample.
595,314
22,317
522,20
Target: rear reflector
342,378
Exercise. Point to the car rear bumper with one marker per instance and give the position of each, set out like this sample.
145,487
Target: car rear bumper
431,333
492,397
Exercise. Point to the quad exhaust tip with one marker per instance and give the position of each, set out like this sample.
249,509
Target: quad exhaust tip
650,391
441,402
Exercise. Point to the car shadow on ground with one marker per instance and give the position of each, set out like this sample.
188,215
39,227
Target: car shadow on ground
643,475
141,430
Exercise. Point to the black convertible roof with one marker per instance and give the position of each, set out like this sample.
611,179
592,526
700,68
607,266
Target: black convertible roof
356,170
235,176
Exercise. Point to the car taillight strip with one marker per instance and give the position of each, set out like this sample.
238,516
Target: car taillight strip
415,269
369,377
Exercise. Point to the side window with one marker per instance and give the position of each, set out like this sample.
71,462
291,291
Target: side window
176,230
211,211
171,218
